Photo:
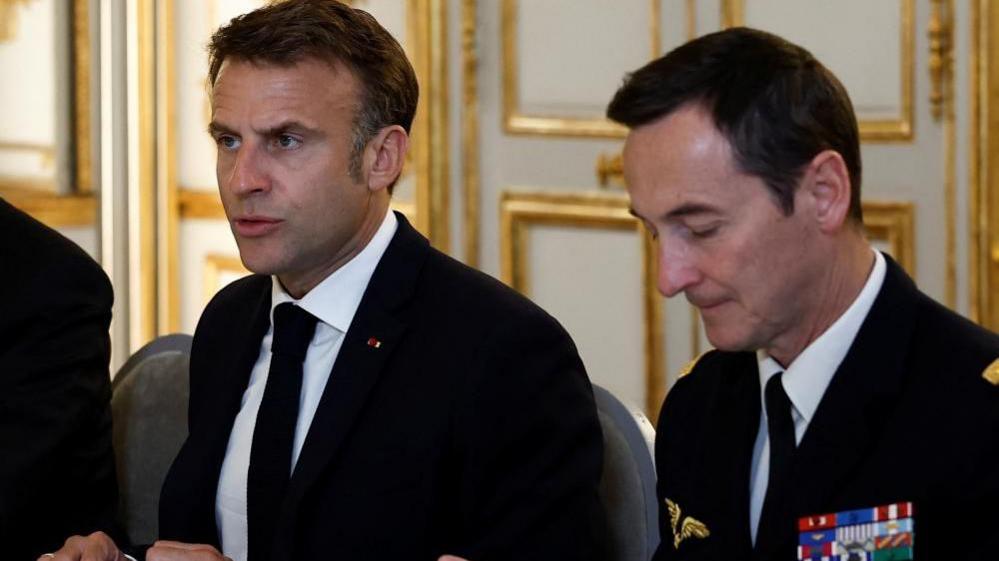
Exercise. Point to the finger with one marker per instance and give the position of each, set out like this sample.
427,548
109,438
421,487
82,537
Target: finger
71,550
99,547
185,546
187,552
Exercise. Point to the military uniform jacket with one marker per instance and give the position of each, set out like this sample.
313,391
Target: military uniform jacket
908,416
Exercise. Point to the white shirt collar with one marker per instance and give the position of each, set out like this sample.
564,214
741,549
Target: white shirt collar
335,300
805,380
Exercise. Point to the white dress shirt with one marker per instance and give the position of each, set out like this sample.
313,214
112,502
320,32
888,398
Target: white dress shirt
334,301
805,381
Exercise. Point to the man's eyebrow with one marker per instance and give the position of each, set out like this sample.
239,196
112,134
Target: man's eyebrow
284,126
686,209
215,128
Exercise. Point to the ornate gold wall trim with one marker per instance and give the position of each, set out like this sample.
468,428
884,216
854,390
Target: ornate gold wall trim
427,21
470,140
215,266
899,129
46,152
520,210
983,199
199,204
516,122
893,222
58,211
167,205
82,118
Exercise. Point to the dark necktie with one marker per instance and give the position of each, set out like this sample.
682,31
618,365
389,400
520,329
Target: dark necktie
780,426
274,432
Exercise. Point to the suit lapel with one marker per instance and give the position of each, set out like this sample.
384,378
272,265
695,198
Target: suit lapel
850,417
727,453
224,376
358,366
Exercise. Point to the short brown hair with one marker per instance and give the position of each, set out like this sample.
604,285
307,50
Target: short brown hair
772,100
288,31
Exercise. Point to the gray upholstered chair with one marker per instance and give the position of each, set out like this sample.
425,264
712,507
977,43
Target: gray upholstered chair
149,405
628,486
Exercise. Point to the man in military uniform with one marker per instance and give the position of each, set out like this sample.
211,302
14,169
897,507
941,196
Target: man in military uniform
836,385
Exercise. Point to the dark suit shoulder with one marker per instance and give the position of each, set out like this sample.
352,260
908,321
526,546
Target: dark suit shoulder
955,338
46,261
475,299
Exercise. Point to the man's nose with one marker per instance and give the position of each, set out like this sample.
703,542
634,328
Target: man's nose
677,270
248,174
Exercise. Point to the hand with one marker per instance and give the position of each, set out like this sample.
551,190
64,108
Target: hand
451,558
176,551
95,547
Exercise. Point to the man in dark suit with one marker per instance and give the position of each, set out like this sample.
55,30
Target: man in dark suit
363,396
836,385
55,418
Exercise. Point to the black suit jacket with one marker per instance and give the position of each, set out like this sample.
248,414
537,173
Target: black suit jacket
56,463
471,430
906,417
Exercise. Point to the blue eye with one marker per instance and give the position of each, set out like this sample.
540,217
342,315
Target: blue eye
287,142
227,142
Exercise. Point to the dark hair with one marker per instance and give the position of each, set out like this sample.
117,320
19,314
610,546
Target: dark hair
775,104
286,32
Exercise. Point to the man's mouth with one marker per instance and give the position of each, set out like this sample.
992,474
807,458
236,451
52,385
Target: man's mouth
253,226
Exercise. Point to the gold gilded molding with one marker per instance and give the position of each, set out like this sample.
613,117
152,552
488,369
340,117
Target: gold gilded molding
516,122
893,222
58,211
8,18
520,210
44,151
610,170
82,117
214,267
733,13
984,163
142,213
427,23
898,129
691,21
167,206
940,31
470,130
199,204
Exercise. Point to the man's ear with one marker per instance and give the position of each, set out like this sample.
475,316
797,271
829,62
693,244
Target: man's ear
384,157
827,183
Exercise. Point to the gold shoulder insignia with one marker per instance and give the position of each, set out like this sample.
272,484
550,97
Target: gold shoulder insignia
991,373
689,528
690,366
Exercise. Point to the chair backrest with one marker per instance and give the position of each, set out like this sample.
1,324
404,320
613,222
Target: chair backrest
149,406
628,485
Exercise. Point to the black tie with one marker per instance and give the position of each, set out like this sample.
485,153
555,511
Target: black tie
274,432
771,531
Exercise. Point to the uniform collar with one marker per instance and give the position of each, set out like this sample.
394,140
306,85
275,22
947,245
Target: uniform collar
805,380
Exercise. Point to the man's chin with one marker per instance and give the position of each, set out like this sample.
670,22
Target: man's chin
729,340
